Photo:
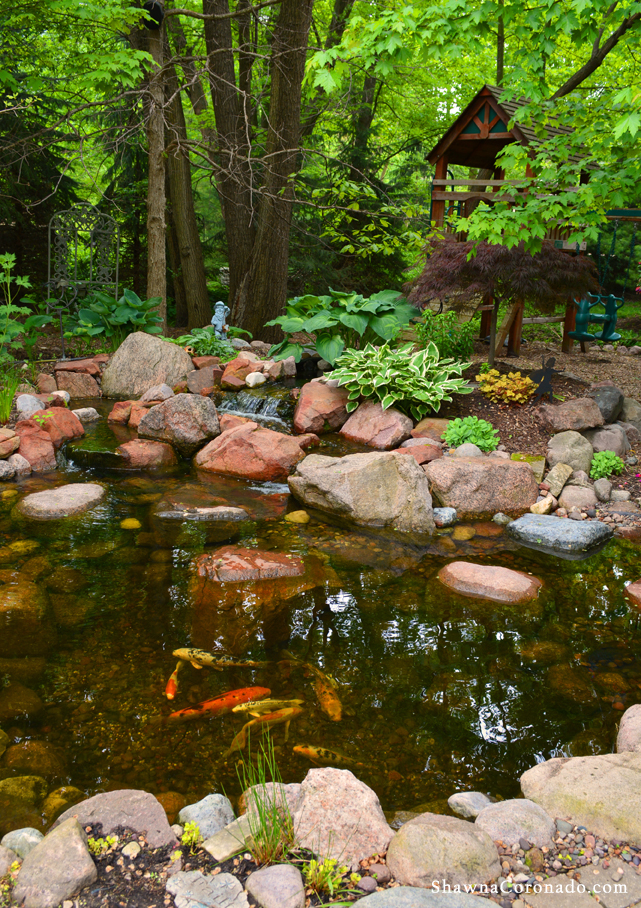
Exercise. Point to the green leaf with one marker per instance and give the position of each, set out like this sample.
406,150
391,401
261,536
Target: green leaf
354,321
330,347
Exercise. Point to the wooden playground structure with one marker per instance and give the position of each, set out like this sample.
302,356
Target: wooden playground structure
474,140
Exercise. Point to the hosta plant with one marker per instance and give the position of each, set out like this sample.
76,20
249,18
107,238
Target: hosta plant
341,320
101,315
205,342
604,464
471,429
513,388
415,383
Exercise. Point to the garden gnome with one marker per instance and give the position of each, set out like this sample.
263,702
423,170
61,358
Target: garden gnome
219,321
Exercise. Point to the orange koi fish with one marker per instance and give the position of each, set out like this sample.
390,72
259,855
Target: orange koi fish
324,688
220,705
324,757
263,723
172,685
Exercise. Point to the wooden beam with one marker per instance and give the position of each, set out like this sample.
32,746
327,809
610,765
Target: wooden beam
468,136
516,330
506,324
438,207
569,324
544,320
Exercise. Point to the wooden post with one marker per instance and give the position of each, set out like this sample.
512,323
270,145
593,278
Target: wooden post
486,316
569,324
514,340
438,207
506,324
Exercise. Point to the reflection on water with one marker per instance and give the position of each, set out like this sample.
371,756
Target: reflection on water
439,692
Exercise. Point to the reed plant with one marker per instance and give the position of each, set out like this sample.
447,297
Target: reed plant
9,382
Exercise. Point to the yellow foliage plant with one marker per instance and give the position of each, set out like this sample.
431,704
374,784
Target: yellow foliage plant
513,388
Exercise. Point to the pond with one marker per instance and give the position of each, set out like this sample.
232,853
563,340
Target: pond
439,692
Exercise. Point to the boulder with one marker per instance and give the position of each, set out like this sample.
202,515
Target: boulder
185,421
602,793
430,427
46,383
25,621
566,538
572,449
320,408
173,524
378,490
158,394
202,362
120,413
421,453
609,401
340,817
19,703
65,501
137,810
60,423
211,814
280,886
573,415
468,804
21,841
609,438
192,889
58,868
19,464
375,427
86,414
251,452
77,384
486,581
203,379
436,847
27,405
479,486
577,497
511,821
147,455
557,478
141,362
603,489
629,737
631,412
7,471
83,366
36,446
632,434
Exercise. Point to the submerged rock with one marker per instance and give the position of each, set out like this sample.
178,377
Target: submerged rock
35,757
489,582
141,362
65,501
19,702
175,525
481,486
147,455
566,538
25,618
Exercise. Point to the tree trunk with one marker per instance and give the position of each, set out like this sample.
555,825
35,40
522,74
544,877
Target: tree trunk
263,291
192,266
177,282
156,251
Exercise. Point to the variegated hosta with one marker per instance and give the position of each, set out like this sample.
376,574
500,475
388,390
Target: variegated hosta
415,383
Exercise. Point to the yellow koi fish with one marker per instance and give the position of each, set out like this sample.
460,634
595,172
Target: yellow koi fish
260,707
324,757
325,689
262,723
199,658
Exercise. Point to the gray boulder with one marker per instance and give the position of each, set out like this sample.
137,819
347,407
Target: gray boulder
212,814
19,464
603,489
193,889
277,887
158,392
609,400
57,869
631,412
581,497
573,415
7,858
468,804
86,414
27,405
629,737
65,501
141,362
632,433
137,810
379,490
436,847
565,538
22,841
570,448
609,438
468,450
602,793
7,470
511,821
185,421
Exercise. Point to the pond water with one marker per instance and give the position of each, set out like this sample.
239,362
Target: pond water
439,692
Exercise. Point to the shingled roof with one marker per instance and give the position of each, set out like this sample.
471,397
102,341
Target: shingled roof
481,131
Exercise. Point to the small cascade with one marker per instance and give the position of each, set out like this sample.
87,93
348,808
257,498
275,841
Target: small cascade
271,407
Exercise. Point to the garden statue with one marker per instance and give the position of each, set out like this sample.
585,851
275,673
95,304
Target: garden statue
219,321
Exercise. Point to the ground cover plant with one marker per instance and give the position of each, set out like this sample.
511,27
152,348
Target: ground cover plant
512,388
471,429
605,464
416,382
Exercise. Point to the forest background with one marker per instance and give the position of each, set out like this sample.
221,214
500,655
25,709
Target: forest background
286,140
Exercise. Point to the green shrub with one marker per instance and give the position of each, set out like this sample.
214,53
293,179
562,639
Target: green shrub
452,338
9,382
415,383
471,429
13,333
341,320
103,316
205,342
604,464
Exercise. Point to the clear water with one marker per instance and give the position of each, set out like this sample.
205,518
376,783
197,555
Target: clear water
439,692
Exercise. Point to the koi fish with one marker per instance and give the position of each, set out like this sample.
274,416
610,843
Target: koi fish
324,688
263,723
220,705
260,707
199,658
324,757
172,685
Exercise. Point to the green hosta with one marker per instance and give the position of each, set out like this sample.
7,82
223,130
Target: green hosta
103,316
471,429
604,464
415,383
341,320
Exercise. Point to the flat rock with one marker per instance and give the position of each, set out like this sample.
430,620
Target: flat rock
511,821
185,421
570,448
249,451
574,415
9,446
320,408
86,366
609,401
227,842
277,887
378,490
437,847
411,897
486,581
212,814
192,889
566,538
602,793
147,455
22,841
141,362
86,414
375,427
137,810
557,478
480,486
58,868
468,804
65,501
174,525
609,438
629,737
